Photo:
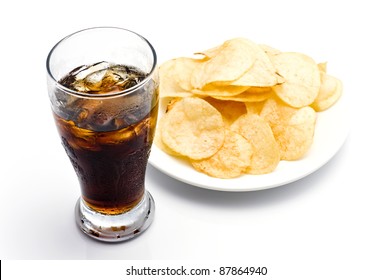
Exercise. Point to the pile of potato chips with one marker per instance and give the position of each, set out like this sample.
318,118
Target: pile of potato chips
242,107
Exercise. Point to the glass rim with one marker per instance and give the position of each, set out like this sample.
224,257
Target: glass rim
102,95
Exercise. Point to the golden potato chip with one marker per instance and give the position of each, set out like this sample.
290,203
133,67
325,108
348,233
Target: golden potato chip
157,140
261,74
252,94
266,154
230,161
302,78
168,85
329,93
295,137
270,111
293,128
213,90
244,97
193,128
230,61
254,107
184,67
230,110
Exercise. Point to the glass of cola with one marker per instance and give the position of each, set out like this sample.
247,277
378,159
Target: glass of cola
104,93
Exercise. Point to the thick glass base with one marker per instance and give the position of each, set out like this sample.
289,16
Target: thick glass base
115,228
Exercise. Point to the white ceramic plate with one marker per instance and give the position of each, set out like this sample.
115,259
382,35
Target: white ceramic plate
330,133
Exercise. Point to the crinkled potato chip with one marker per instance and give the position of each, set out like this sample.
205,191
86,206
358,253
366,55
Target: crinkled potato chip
230,61
193,128
293,128
225,91
266,154
168,85
295,136
329,93
230,110
270,111
302,78
184,67
254,107
230,161
261,74
252,94
157,140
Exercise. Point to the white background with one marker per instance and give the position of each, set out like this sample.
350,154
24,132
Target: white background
333,224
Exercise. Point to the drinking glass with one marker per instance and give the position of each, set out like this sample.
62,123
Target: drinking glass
103,89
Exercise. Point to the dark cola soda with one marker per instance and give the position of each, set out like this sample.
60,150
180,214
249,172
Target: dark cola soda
108,139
